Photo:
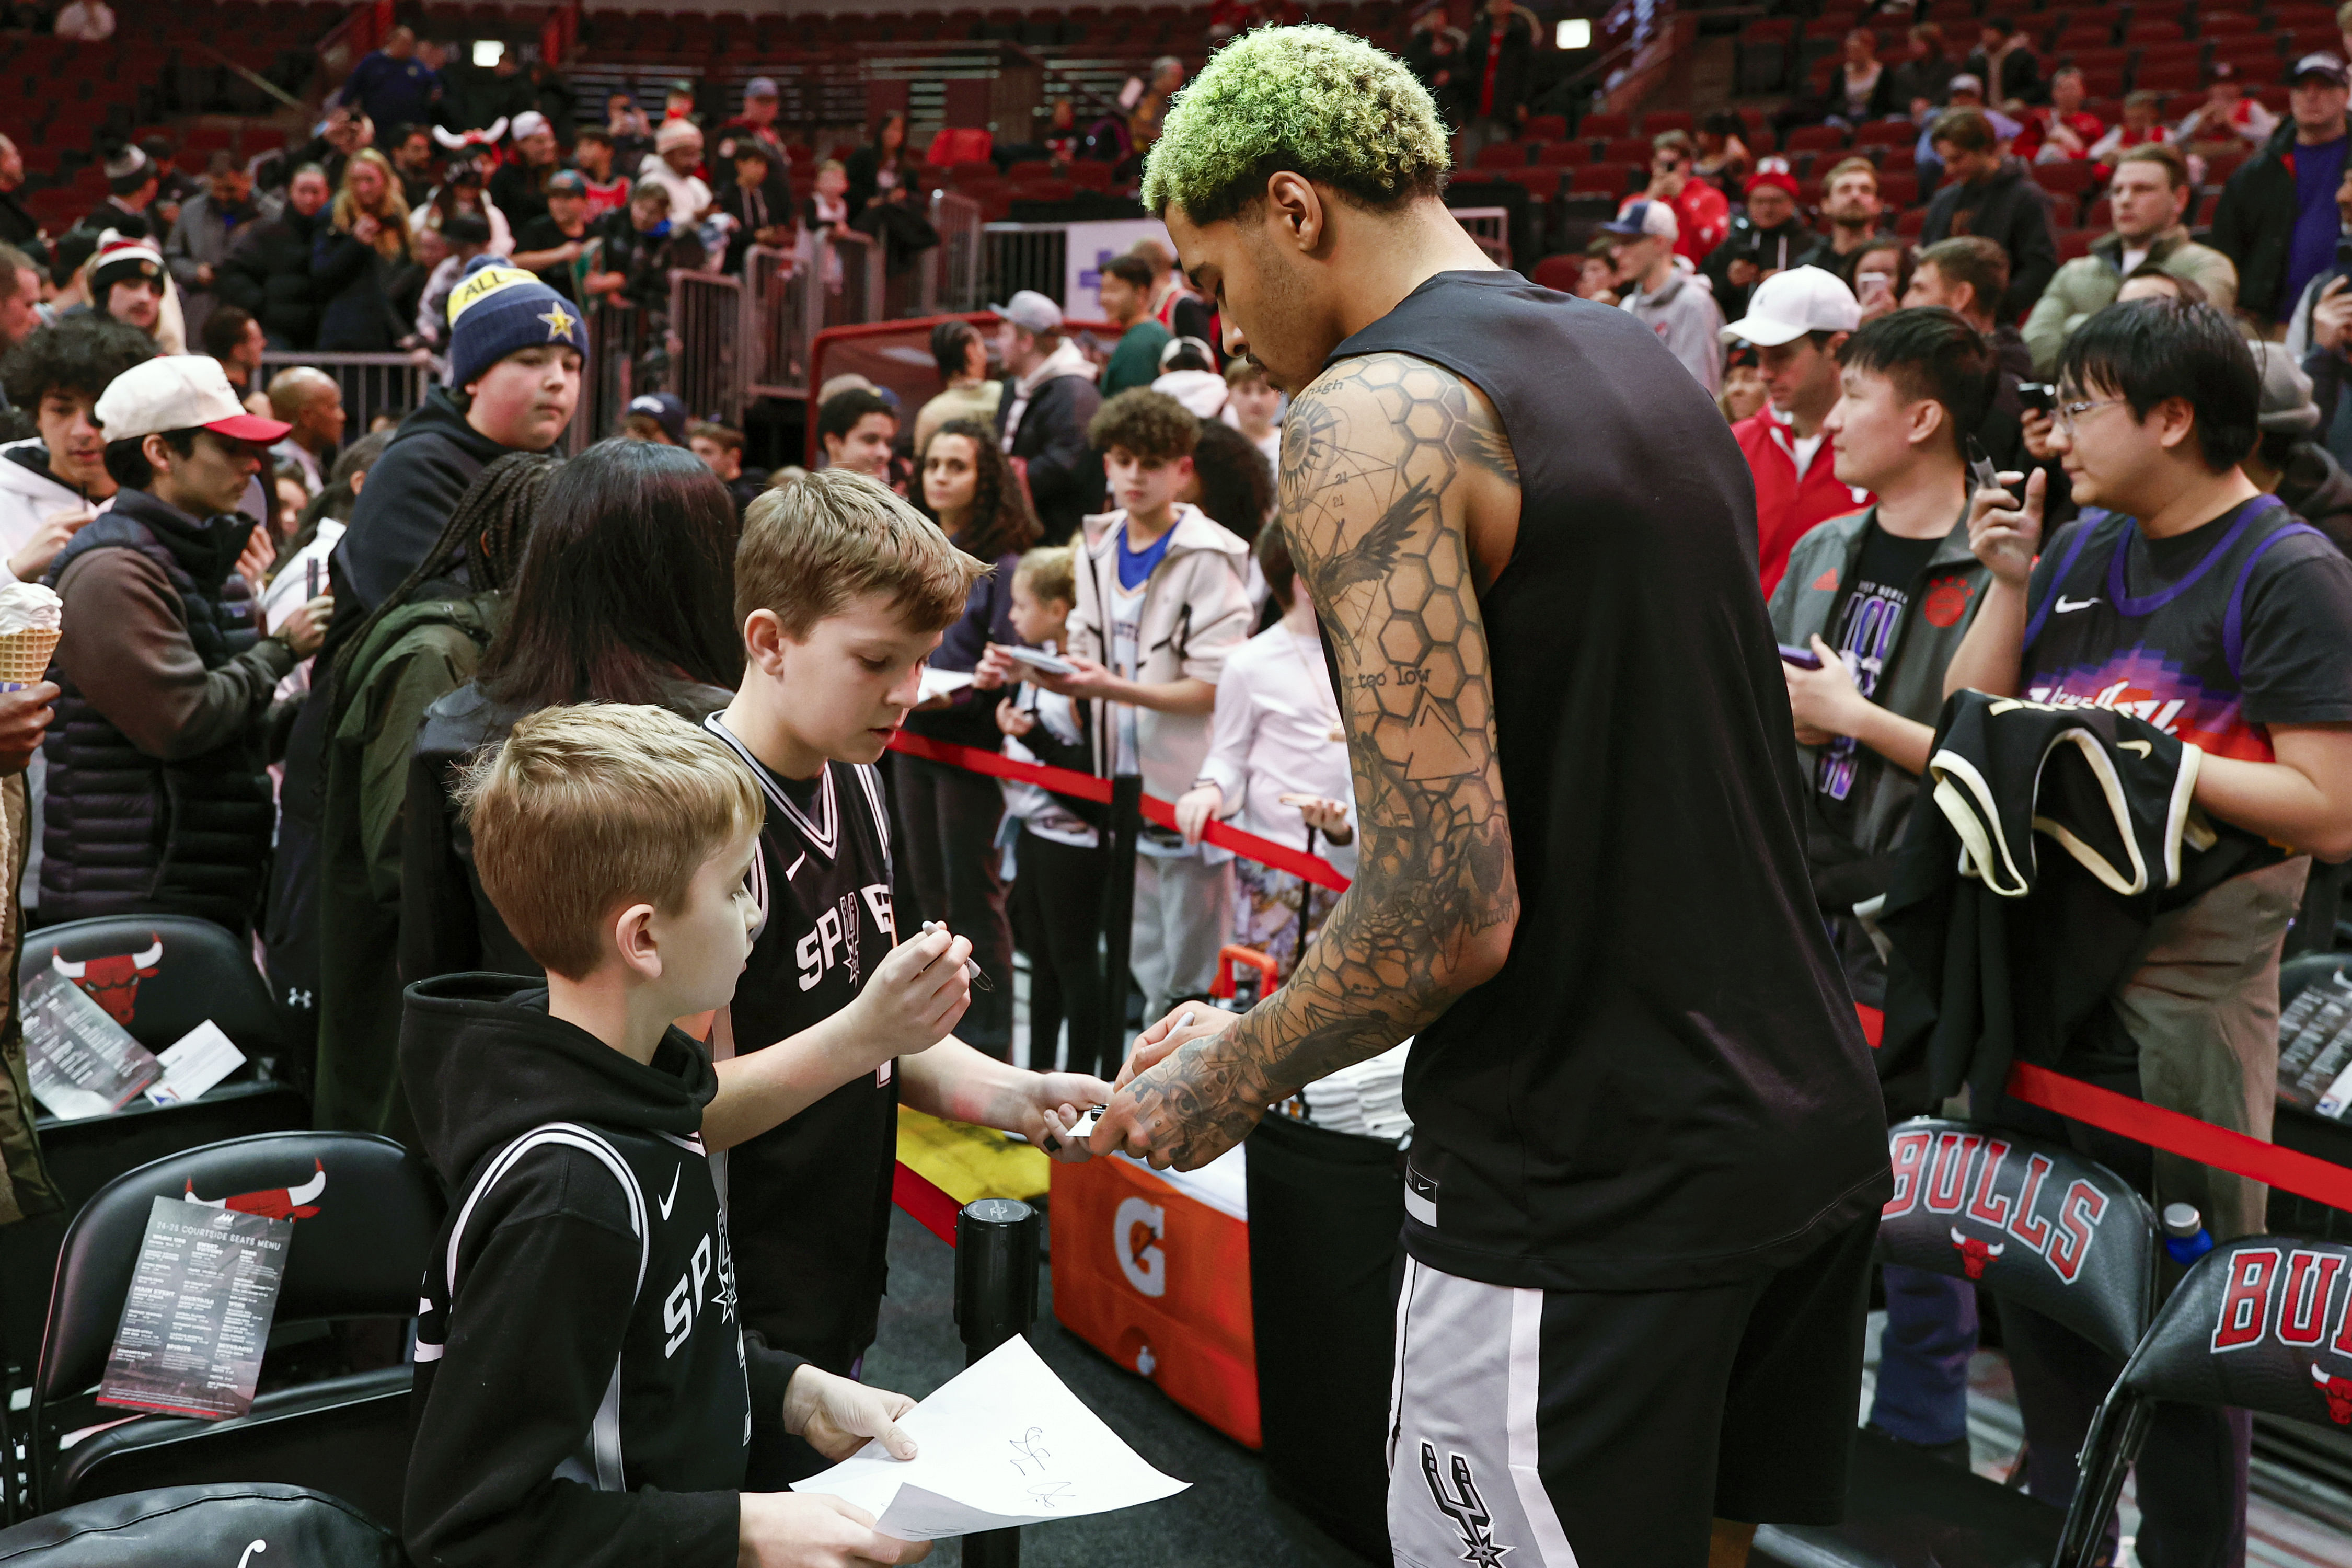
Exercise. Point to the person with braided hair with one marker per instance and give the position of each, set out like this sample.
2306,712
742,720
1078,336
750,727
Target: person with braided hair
627,593
425,640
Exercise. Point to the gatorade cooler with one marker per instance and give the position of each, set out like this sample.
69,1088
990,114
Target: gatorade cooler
1152,1268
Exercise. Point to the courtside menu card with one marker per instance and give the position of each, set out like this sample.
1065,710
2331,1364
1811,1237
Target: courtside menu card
197,1318
80,1061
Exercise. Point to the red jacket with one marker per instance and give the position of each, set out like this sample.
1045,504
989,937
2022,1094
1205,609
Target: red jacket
1788,503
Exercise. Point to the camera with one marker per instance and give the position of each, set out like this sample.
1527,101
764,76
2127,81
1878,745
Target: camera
2037,395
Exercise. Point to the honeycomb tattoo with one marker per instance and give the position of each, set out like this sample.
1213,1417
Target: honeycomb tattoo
1379,458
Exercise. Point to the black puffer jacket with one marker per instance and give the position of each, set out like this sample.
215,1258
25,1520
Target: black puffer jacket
267,273
2316,489
129,831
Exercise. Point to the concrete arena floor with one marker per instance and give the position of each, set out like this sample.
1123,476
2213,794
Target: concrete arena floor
1227,1517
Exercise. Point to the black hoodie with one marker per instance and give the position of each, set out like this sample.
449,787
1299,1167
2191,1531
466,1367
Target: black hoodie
589,1396
410,493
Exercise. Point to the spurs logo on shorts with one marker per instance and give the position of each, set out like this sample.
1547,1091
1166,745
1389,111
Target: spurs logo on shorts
1456,1496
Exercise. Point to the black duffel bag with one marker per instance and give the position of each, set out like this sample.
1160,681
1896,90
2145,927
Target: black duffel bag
233,1525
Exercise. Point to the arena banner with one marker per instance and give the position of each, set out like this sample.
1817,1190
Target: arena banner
1091,245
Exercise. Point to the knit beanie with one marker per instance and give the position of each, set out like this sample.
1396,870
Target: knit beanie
123,261
496,309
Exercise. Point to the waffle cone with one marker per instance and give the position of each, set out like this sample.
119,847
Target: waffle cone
25,656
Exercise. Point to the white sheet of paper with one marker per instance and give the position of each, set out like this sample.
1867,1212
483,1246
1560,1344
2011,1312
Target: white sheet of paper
194,1062
1001,1443
944,682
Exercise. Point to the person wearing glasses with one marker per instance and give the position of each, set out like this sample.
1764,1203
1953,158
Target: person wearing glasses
2185,595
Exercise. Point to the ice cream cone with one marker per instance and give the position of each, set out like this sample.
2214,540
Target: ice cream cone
25,656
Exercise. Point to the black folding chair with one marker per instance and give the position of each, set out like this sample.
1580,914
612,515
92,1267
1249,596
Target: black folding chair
360,1256
2258,1324
2032,1221
254,1523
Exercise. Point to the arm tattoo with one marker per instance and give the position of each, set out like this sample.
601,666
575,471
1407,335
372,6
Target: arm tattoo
1379,459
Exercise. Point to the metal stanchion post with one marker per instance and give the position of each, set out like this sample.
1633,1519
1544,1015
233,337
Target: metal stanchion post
1118,921
996,1298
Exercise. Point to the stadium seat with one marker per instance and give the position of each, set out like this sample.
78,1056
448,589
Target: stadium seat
2035,1223
1561,154
1910,222
1601,125
1503,155
374,1209
2246,1329
1542,184
1624,149
2075,242
1561,272
216,1524
2219,25
1885,133
1659,121
1897,190
1602,179
1545,127
1761,54
2068,180
1815,139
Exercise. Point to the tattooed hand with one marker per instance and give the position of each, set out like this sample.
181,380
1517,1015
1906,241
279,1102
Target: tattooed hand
1390,466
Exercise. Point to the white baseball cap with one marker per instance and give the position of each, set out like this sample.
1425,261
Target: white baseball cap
530,122
179,392
1031,312
1642,218
1788,305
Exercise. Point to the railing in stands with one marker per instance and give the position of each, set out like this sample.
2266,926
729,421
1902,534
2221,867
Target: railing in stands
372,383
707,317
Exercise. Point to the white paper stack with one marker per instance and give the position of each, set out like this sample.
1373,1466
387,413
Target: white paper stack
1002,1442
1367,1100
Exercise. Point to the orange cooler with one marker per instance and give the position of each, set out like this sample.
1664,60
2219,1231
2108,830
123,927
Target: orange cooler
1153,1270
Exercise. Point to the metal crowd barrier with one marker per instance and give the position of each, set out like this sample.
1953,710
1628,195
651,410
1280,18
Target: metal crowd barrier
372,383
706,320
1026,255
954,267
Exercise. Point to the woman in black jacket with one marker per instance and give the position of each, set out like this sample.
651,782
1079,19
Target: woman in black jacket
626,595
948,856
355,258
884,169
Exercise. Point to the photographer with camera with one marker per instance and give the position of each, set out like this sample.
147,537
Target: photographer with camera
1769,236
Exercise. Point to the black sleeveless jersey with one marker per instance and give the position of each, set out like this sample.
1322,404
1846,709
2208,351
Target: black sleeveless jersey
809,1201
1666,1086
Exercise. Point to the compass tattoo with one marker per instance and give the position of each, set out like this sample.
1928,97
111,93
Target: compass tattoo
1382,459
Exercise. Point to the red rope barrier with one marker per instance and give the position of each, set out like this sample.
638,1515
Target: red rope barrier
929,1208
1086,786
2087,1103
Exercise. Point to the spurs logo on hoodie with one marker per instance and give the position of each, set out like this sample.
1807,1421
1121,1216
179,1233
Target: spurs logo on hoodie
579,1326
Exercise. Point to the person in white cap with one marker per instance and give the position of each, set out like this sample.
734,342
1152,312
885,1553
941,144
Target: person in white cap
519,188
131,187
1674,304
1798,319
1049,398
677,151
159,800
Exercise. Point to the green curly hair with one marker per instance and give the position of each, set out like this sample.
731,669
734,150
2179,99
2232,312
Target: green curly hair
1314,100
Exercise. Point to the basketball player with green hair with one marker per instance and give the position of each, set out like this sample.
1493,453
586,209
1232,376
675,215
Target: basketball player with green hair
1645,1179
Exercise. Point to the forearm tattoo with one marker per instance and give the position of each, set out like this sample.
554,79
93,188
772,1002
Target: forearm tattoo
1378,457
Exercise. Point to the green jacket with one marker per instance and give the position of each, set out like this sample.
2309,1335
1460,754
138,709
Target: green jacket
2088,284
1135,360
25,1187
414,656
1852,869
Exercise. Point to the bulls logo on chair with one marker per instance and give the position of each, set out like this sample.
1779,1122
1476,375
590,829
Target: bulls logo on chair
2263,1323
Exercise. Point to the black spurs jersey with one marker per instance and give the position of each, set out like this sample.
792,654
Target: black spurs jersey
809,1201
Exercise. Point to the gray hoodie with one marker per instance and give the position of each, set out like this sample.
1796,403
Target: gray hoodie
1684,314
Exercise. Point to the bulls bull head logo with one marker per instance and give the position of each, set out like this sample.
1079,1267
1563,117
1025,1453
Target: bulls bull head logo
2337,1392
273,1203
112,981
1974,1254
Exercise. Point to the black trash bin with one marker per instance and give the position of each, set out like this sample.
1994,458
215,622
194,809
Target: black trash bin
1325,1209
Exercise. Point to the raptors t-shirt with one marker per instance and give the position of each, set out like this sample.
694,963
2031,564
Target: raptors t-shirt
1878,596
2212,636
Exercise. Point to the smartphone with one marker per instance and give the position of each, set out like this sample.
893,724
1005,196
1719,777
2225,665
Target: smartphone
1982,475
2038,395
1052,664
1863,282
1802,657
